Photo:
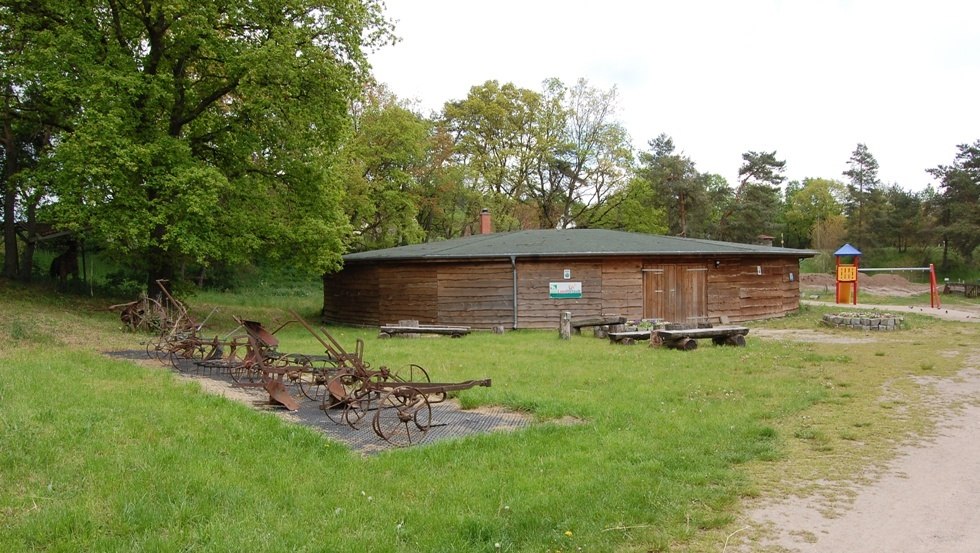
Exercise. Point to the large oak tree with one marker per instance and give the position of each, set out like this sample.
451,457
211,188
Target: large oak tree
205,130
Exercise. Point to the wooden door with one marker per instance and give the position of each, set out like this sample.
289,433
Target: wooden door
676,293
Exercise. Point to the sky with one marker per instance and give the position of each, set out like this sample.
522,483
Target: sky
809,79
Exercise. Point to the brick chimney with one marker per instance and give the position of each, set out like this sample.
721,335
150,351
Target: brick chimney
486,226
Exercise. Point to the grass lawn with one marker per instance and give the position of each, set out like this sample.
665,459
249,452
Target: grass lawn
98,454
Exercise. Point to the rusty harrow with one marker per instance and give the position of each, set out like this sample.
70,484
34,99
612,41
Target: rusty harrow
348,389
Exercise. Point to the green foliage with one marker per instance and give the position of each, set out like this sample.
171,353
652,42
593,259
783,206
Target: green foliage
808,205
957,203
865,200
203,132
677,189
540,160
383,166
638,210
757,205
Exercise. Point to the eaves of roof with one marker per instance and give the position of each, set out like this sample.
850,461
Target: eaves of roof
567,243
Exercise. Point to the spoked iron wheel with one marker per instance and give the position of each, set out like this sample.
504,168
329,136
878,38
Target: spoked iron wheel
247,374
403,416
293,367
413,373
346,399
156,349
313,384
418,374
183,350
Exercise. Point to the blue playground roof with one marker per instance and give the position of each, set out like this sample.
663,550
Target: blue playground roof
847,249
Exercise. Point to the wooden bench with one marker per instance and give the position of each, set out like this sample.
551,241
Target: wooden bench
579,324
453,331
967,289
687,339
629,336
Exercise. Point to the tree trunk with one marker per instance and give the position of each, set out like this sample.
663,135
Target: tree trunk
159,266
945,253
9,202
683,215
27,259
9,230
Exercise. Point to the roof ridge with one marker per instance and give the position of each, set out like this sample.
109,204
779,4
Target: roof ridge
570,242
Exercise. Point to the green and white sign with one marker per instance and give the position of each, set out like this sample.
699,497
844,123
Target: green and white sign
565,290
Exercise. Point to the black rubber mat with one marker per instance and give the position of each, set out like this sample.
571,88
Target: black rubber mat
448,420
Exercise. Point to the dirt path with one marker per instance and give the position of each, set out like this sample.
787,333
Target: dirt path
928,501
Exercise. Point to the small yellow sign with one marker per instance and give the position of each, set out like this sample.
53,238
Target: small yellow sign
847,273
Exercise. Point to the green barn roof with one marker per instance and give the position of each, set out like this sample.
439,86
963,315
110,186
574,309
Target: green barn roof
568,243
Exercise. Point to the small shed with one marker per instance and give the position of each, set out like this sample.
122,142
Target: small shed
525,279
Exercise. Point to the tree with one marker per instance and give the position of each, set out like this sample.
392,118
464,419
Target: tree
383,162
808,205
862,188
447,206
756,207
959,201
498,138
589,160
205,131
541,160
903,221
31,112
637,209
675,182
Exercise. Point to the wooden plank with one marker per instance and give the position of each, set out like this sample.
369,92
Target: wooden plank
598,321
629,335
426,329
713,332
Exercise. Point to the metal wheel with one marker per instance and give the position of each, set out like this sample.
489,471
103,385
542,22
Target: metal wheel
176,358
404,416
154,348
343,391
247,374
209,351
293,367
414,373
188,348
313,383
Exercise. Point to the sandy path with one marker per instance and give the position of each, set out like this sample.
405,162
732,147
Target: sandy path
928,500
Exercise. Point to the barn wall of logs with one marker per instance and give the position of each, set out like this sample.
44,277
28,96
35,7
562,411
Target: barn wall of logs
481,293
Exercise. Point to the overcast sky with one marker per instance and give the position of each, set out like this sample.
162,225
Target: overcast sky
809,79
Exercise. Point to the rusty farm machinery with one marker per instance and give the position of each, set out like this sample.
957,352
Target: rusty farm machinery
346,388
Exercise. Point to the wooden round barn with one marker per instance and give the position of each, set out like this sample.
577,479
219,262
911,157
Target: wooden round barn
525,279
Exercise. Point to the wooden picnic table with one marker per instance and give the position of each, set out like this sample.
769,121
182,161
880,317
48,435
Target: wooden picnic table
629,336
454,331
968,289
686,339
579,324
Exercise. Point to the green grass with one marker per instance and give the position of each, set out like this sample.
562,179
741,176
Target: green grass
305,296
109,455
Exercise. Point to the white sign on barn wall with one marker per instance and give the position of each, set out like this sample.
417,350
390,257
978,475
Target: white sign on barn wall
564,290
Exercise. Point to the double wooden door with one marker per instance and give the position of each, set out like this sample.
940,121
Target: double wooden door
676,293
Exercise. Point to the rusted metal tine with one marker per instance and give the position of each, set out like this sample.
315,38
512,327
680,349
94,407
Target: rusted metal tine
334,349
440,387
161,284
